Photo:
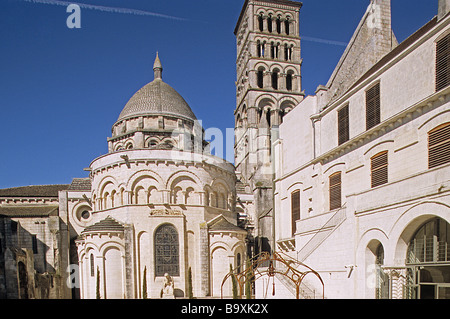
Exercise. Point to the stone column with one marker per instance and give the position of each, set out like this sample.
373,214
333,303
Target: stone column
204,260
129,265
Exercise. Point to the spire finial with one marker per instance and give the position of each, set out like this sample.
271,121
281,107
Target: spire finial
157,67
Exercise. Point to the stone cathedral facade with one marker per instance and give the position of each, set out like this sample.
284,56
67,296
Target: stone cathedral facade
352,181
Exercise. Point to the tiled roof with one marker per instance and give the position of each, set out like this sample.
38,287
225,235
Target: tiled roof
107,224
33,191
29,211
81,184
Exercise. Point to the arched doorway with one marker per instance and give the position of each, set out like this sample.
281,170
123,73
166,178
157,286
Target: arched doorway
428,261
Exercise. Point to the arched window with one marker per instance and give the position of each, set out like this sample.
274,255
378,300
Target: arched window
258,49
295,209
269,23
286,26
382,279
268,117
439,146
260,78
92,266
275,80
427,261
279,25
238,262
167,252
289,81
261,22
430,244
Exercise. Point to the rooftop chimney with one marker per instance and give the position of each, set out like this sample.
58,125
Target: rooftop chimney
444,8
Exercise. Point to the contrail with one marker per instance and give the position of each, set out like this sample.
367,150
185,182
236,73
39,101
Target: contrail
312,39
107,9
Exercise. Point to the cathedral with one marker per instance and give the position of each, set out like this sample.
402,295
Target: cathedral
352,182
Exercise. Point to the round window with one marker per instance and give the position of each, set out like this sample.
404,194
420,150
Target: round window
85,214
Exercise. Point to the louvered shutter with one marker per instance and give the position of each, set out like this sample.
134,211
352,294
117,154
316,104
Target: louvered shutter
443,63
439,146
373,106
335,191
295,209
343,125
379,169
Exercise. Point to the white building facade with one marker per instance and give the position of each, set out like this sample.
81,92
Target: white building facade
362,170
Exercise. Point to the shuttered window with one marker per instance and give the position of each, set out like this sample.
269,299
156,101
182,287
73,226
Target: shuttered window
439,145
443,63
343,125
335,191
373,106
379,169
295,209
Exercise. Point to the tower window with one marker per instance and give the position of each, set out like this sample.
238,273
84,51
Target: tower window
295,209
286,26
278,25
439,145
343,125
260,79
379,169
289,81
373,106
272,50
287,52
269,23
268,117
258,49
275,80
335,191
261,22
443,63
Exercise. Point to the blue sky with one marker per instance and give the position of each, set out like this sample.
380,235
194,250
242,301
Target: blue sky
62,89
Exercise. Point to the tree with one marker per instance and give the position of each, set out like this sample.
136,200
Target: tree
144,284
190,293
97,288
234,283
248,280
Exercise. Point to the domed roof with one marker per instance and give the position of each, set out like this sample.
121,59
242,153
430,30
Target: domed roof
157,98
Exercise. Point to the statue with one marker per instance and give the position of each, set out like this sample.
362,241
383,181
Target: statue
168,288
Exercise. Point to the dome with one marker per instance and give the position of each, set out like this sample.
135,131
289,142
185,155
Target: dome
157,98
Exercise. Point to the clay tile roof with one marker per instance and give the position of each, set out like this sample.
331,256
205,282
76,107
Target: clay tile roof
29,211
107,224
81,184
33,191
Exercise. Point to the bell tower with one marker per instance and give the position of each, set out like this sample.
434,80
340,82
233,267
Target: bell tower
268,86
